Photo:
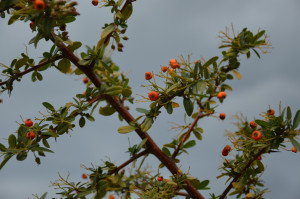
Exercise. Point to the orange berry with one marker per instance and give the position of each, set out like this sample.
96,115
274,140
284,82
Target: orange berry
173,63
271,112
148,75
28,123
259,158
153,96
160,178
256,135
84,176
221,95
85,80
84,93
294,149
95,2
30,135
164,69
39,5
177,65
253,124
111,197
167,180
171,71
222,116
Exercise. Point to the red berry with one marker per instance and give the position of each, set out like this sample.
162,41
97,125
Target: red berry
28,123
85,80
30,135
222,116
160,178
84,176
256,135
39,5
148,75
95,2
164,69
253,124
153,96
31,25
259,158
225,153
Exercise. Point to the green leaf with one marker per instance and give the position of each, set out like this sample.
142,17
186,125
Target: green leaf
89,117
237,74
171,88
295,143
13,19
43,149
126,129
146,125
45,143
142,110
197,135
143,142
114,90
201,86
203,184
126,92
107,30
5,161
170,146
39,76
76,45
107,110
64,65
83,194
106,67
169,108
12,141
82,122
21,156
210,61
288,114
296,120
50,133
44,196
69,19
127,11
2,148
262,123
48,106
189,144
166,151
188,106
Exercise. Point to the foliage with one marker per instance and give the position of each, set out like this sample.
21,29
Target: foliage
196,83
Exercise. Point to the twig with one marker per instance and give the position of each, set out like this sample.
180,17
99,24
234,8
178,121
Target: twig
241,173
36,67
146,151
199,115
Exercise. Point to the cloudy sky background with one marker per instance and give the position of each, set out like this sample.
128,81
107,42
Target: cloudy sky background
158,31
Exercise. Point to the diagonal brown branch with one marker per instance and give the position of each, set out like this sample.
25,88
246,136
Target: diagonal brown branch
115,102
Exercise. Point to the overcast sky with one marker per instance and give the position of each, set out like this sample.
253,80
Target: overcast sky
158,31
